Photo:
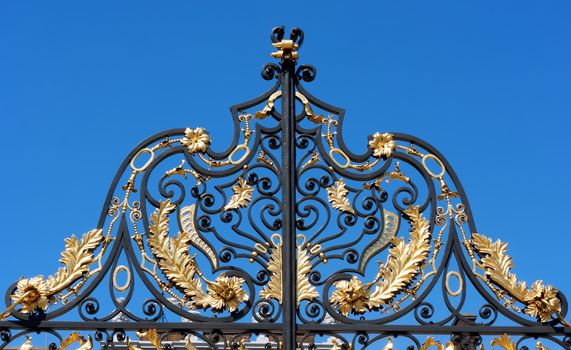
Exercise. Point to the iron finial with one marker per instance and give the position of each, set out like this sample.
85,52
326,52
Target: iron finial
286,49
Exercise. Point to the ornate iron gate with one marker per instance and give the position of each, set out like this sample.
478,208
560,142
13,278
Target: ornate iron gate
285,240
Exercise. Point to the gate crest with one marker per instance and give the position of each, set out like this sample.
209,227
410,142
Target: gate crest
286,239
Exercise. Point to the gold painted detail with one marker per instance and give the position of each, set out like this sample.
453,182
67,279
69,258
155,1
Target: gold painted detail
314,159
337,195
269,107
305,290
311,115
242,195
37,292
351,296
196,140
180,170
153,337
150,335
541,301
382,145
403,265
174,260
505,342
430,342
460,283
75,337
396,174
188,226
273,290
121,287
287,50
390,226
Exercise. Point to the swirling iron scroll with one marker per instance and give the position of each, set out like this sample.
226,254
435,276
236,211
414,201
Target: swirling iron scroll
377,236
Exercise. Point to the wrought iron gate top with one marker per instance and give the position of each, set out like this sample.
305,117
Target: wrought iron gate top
287,236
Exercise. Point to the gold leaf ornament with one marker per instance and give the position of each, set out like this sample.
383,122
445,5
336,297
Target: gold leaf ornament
226,293
504,341
84,343
242,195
174,260
172,253
274,287
337,195
31,293
541,300
403,265
305,290
273,290
152,336
405,260
350,296
76,257
382,144
37,292
430,342
196,140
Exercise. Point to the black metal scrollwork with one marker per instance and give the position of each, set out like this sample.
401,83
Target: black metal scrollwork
288,237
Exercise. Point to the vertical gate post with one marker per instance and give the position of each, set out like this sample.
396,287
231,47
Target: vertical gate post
288,181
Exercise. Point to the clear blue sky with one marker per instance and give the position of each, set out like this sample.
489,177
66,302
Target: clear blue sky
487,82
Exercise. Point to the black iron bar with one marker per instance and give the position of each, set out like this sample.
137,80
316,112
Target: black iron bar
288,180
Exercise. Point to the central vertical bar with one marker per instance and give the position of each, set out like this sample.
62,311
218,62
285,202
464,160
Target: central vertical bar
289,178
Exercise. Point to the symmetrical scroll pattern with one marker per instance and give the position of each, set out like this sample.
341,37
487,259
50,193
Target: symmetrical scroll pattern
405,178
376,237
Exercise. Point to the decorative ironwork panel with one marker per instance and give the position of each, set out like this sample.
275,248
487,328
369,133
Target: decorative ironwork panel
286,239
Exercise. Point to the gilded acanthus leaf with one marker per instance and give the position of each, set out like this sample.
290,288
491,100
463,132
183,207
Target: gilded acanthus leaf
497,265
174,260
71,338
430,342
305,290
187,223
350,296
76,257
226,293
541,300
404,263
84,343
37,292
405,260
337,195
242,195
273,290
274,287
505,342
152,336
131,346
172,253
